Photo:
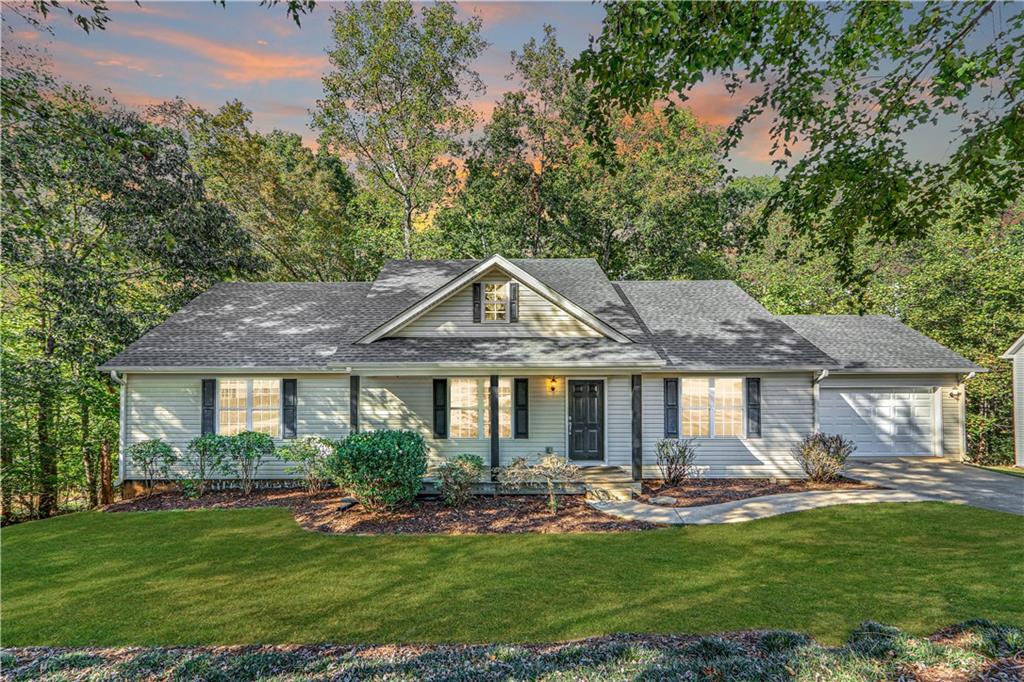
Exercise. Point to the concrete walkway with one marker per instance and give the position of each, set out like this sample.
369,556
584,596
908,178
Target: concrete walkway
752,508
945,480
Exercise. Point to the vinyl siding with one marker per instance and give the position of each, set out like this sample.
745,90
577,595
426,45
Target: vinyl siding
537,317
952,424
786,416
1018,407
168,406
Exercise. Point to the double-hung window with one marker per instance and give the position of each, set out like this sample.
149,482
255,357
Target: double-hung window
495,301
469,407
249,405
712,407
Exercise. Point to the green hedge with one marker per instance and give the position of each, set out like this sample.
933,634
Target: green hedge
381,469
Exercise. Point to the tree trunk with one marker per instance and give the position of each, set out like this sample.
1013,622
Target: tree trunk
6,460
407,230
88,462
44,436
106,474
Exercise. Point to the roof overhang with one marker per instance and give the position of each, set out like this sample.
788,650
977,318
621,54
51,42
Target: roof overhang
905,370
442,293
208,369
1016,348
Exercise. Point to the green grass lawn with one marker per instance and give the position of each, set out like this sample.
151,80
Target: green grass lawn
1011,470
253,576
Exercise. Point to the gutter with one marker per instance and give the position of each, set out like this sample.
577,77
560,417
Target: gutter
122,433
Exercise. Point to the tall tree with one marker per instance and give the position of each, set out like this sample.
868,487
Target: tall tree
397,99
846,84
106,228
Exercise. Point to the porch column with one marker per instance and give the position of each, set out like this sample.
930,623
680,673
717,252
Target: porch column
353,403
495,452
638,454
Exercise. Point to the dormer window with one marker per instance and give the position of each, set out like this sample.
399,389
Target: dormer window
495,301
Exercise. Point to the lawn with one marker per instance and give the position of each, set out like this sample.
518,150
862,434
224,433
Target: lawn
1011,470
253,576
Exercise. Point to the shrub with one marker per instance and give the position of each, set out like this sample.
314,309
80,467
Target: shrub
154,457
246,451
822,456
204,456
781,641
675,459
877,640
309,454
549,470
456,477
381,469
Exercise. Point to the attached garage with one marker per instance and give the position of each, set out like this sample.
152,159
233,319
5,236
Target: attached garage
883,423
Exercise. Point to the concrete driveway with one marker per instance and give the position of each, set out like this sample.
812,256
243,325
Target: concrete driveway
944,480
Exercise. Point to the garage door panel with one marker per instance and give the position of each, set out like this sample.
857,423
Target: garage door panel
880,423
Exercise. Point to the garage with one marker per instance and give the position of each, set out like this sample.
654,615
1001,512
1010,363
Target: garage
882,423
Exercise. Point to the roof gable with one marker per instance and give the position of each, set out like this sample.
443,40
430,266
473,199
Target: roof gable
1016,348
476,270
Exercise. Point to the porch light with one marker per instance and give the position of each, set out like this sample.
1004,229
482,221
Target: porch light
552,384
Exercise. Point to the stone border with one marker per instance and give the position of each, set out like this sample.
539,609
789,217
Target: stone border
751,508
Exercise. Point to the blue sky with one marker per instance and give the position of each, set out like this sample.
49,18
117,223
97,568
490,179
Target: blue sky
210,54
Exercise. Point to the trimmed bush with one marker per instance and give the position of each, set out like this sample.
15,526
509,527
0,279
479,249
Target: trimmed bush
675,459
155,458
246,451
204,456
382,469
309,454
822,456
456,477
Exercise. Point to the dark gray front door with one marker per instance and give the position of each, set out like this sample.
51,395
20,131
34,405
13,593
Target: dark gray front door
586,419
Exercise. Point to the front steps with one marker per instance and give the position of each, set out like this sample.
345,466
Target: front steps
598,483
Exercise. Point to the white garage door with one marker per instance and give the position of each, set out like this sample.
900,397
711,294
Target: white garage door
881,423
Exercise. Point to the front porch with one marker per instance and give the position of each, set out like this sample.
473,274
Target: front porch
596,482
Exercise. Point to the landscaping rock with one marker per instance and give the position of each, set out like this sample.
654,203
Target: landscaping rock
664,499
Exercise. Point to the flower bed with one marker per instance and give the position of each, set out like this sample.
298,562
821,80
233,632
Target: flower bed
322,512
696,492
972,651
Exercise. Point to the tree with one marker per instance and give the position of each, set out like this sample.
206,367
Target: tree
396,101
107,229
847,85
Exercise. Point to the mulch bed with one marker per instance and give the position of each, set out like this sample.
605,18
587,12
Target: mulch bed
322,512
697,492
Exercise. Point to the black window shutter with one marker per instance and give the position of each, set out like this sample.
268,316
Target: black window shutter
513,302
477,302
522,405
209,423
440,408
289,391
753,407
671,408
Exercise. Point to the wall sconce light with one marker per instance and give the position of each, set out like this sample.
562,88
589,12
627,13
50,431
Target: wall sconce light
552,385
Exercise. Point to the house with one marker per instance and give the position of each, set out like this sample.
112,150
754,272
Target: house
1016,354
509,358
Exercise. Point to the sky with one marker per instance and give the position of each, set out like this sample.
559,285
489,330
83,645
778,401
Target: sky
209,54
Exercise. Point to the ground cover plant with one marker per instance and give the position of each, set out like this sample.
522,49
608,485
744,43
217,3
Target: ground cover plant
970,650
918,566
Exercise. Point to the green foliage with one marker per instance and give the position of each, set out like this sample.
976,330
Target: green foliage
846,86
396,99
822,456
456,477
310,455
781,641
246,451
154,457
381,469
709,648
204,457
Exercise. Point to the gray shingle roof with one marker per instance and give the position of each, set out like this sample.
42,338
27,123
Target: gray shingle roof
714,323
875,342
684,324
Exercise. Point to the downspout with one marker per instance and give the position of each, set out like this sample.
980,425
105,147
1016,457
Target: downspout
815,391
122,433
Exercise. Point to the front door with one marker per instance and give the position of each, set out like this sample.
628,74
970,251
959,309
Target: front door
586,419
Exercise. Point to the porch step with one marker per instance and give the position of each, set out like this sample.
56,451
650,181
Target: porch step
608,483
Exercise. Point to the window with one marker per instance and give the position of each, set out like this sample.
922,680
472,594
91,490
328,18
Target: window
495,302
465,408
469,407
249,405
712,407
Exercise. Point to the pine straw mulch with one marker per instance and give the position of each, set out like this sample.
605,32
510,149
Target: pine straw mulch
697,492
322,512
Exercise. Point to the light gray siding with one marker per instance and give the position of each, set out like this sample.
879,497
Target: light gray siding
786,416
167,406
537,317
1018,407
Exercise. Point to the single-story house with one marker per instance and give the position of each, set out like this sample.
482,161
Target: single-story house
1016,354
508,358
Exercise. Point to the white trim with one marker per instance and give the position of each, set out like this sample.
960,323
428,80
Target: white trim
248,409
937,449
915,370
711,407
248,371
1017,347
604,425
515,272
506,300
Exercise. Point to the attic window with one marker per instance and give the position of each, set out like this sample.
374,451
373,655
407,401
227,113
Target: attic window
495,301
